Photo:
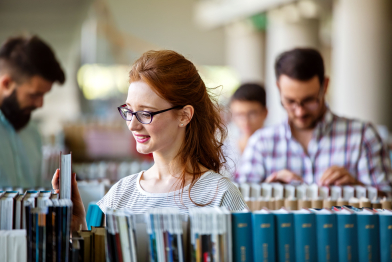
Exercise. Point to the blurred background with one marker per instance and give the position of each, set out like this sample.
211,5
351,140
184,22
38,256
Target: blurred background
231,41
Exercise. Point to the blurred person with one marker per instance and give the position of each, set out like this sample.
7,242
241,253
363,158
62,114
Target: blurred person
314,145
29,68
170,114
248,113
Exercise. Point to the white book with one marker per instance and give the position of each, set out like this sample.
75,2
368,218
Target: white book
65,176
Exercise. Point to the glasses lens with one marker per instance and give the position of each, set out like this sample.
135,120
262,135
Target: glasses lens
126,114
144,117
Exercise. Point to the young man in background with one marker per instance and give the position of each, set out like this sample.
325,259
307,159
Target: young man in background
28,69
313,145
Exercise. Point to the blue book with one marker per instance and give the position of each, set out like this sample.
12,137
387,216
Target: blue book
263,236
284,223
347,235
242,236
326,230
305,235
385,217
368,236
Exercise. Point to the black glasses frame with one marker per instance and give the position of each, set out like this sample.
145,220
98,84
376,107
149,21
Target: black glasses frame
123,108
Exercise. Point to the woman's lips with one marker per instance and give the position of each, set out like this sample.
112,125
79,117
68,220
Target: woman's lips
142,139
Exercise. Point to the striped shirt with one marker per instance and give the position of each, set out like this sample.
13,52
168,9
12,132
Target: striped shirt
211,187
336,141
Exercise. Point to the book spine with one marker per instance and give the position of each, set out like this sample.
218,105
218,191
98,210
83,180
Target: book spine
347,238
263,237
305,237
28,225
242,237
327,238
386,238
285,237
59,235
368,238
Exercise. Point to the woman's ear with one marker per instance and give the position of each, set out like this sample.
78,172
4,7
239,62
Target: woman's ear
186,114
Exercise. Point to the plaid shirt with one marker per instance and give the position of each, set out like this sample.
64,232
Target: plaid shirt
338,141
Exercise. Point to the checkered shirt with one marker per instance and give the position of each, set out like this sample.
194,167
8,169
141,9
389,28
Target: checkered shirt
338,141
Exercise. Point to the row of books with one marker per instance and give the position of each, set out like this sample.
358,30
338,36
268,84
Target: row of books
48,230
86,246
215,234
211,234
340,234
158,235
12,206
275,195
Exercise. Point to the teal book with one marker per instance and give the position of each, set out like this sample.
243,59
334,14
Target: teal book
347,235
368,235
327,248
263,236
305,235
284,223
385,217
242,236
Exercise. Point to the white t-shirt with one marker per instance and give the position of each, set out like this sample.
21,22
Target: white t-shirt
211,187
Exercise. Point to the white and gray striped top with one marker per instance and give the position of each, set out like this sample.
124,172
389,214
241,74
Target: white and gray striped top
127,193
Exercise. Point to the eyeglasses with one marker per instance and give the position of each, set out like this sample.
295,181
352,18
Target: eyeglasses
310,104
251,116
144,117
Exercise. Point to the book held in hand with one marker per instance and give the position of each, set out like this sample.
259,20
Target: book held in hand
65,175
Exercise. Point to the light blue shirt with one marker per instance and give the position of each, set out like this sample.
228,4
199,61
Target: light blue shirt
20,155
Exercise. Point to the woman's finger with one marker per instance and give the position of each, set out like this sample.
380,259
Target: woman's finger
55,180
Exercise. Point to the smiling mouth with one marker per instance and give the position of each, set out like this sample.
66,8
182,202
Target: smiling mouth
142,137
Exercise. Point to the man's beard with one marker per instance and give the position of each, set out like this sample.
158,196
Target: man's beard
18,117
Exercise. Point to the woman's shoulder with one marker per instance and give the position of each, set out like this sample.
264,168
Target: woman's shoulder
211,178
125,183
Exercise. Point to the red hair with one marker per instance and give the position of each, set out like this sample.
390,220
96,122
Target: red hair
176,79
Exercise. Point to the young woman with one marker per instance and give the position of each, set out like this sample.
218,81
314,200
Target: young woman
170,114
248,111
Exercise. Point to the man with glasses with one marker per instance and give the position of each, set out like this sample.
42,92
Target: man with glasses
28,69
313,145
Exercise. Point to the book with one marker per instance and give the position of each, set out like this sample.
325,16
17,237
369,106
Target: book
13,246
368,235
284,223
263,223
347,235
385,217
7,209
242,236
65,176
305,235
42,196
326,235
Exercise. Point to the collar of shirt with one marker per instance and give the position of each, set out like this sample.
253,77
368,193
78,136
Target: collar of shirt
322,127
5,122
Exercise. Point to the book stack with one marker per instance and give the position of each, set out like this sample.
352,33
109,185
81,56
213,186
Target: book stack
275,196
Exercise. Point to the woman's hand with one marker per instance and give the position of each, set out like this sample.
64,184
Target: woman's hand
78,211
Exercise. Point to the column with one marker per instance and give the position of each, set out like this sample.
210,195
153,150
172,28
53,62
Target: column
362,60
245,51
286,30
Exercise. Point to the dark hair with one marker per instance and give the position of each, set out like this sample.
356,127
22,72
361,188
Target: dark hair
301,64
250,92
175,79
25,57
